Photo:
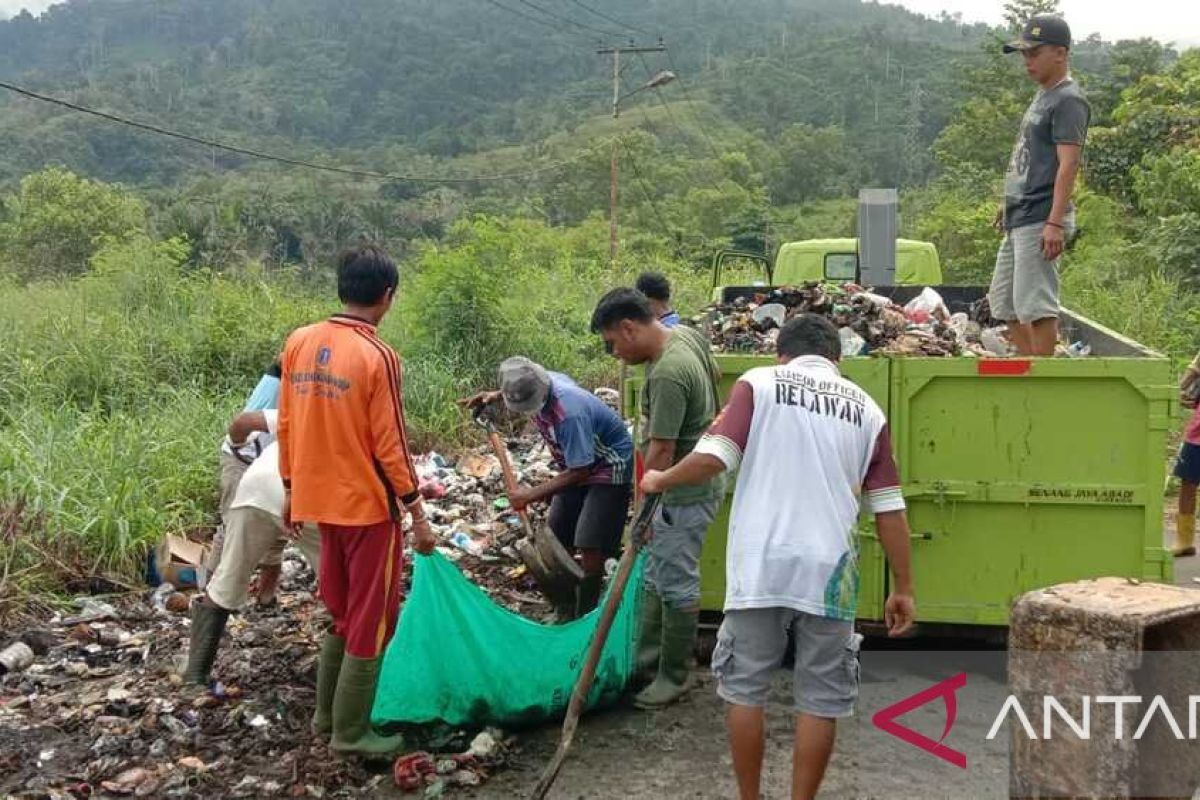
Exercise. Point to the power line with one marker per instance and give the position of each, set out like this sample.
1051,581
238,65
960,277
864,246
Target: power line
688,98
295,162
658,135
529,17
567,20
637,173
607,18
671,114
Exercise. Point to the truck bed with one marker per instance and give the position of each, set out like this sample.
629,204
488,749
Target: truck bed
1019,473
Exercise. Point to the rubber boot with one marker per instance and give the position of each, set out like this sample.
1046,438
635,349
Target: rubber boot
268,583
674,667
352,702
333,649
590,589
208,623
649,640
565,607
1185,535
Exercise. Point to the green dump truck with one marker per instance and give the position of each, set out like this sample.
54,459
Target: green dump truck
1019,473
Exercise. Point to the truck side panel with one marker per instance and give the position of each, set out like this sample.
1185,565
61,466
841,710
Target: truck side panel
1020,481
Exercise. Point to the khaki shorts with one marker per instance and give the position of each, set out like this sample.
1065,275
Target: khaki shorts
250,534
1025,284
752,643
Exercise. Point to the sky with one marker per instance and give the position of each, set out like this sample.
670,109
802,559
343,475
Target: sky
1175,21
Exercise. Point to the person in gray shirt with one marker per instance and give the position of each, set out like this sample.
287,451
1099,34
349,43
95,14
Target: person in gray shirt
1037,216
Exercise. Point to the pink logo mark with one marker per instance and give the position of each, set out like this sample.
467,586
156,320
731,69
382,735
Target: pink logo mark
885,719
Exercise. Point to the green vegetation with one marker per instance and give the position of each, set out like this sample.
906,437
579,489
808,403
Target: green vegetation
145,283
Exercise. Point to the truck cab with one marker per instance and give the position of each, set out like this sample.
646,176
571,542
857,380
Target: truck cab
835,260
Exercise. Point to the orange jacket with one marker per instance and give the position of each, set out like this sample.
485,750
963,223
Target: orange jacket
342,443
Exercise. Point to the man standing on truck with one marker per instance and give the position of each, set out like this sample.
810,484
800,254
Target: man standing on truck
679,401
1037,216
589,497
657,289
807,444
345,465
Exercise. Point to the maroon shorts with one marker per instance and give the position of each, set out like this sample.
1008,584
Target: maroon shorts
360,583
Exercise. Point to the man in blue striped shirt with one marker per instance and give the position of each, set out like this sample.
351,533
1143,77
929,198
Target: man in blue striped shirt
589,498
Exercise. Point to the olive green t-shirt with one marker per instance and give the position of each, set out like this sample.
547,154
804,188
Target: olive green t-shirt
679,402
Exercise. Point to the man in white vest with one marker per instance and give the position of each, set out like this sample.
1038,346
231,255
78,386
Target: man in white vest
807,444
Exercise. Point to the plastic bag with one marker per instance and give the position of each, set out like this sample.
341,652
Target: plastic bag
994,342
852,343
460,658
928,304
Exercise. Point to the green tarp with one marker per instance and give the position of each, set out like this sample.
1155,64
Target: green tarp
459,658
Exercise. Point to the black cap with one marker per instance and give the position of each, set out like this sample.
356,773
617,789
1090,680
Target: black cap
1042,29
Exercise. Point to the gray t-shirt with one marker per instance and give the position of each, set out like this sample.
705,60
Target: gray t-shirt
1056,116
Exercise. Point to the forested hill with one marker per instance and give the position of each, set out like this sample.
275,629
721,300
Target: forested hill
445,77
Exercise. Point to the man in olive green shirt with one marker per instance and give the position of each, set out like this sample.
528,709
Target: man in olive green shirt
679,402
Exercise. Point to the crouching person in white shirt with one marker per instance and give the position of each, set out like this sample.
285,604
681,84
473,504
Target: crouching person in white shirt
807,445
253,527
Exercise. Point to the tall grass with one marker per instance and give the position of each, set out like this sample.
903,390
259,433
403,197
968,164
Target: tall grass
115,387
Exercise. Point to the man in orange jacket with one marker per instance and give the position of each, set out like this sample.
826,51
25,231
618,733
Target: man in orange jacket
343,457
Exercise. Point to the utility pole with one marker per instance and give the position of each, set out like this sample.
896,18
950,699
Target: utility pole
616,52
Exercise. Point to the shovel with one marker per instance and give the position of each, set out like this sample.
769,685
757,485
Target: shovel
554,569
583,684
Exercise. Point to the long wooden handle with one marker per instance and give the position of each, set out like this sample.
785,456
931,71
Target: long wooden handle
510,477
583,684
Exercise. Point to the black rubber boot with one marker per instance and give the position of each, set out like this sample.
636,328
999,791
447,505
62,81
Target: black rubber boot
208,623
590,589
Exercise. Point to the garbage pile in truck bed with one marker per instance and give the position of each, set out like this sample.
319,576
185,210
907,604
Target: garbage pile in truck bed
91,703
868,323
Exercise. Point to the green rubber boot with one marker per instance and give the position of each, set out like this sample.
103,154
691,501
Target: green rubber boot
352,733
649,639
333,649
208,623
674,667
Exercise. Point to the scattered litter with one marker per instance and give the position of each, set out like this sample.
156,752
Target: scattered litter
1078,350
97,706
16,657
463,541
177,561
611,398
479,465
429,772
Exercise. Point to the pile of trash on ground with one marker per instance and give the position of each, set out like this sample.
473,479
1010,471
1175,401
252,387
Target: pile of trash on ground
91,703
868,323
471,515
